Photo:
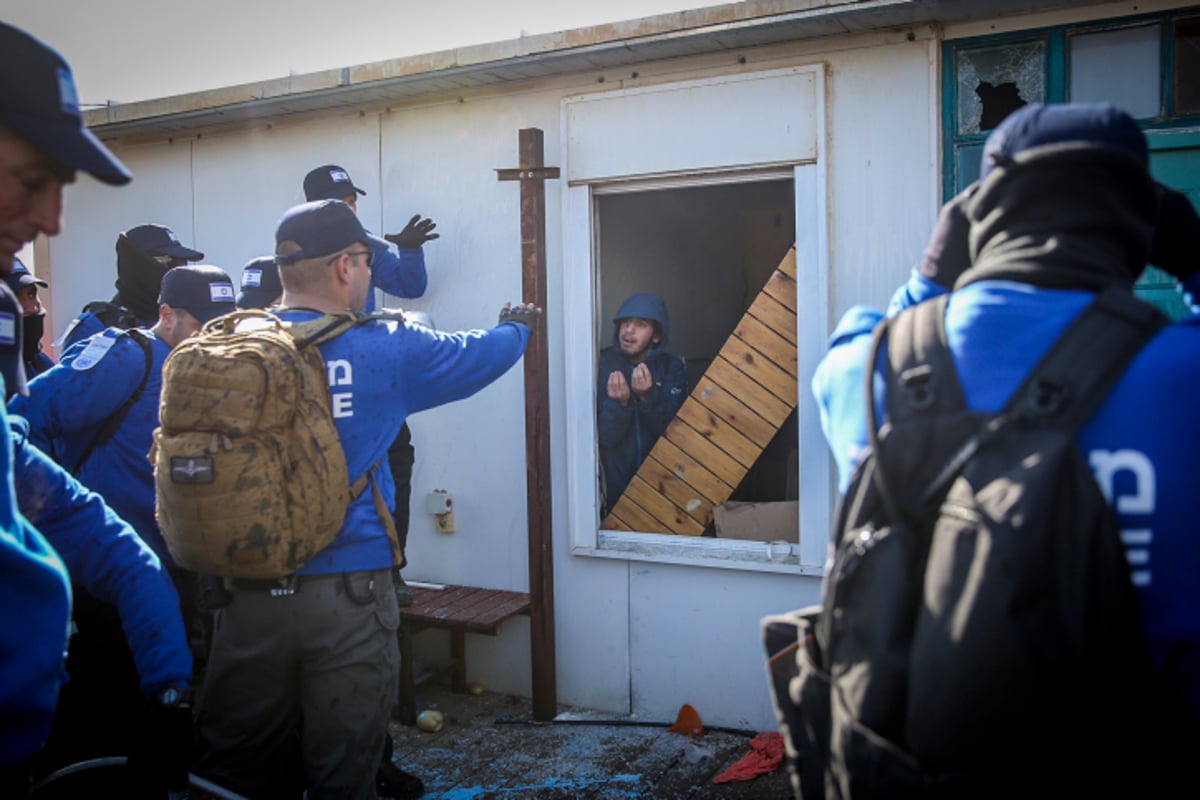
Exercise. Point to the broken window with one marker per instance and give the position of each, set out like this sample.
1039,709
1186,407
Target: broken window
710,251
995,81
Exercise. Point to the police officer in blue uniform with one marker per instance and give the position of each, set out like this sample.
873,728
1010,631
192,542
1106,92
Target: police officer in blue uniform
1065,207
144,255
401,274
322,656
43,142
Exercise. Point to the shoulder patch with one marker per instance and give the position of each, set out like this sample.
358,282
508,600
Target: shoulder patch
97,347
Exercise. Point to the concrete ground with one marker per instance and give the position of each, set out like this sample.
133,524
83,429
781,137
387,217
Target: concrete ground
488,750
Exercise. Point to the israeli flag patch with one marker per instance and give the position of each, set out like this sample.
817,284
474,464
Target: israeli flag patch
221,292
8,328
252,277
339,176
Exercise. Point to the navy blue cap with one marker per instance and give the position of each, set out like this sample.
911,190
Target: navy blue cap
204,291
12,366
20,277
39,102
329,182
159,240
260,283
319,229
1038,124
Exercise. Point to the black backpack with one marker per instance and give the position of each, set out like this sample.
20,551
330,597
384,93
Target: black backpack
979,635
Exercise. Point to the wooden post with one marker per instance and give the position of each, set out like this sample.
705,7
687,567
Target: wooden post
532,175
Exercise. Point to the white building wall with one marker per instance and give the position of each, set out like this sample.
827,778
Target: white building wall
632,636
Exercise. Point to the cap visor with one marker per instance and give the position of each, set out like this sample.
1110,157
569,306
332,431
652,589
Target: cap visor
72,146
179,251
210,314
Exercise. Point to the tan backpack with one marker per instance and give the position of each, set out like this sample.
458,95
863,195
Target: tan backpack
249,473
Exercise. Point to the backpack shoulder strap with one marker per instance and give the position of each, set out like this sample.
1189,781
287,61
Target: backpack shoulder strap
110,425
1082,367
921,378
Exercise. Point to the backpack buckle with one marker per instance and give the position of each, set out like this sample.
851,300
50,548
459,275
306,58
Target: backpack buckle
916,385
1046,398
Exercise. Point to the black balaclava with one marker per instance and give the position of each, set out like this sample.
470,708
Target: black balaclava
139,278
34,325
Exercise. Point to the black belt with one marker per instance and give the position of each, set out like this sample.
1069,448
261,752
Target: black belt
276,587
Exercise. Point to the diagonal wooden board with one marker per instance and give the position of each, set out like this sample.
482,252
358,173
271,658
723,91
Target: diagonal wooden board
739,403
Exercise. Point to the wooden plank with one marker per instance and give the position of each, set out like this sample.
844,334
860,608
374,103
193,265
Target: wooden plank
782,288
766,341
755,397
788,265
672,518
690,471
675,489
758,367
774,315
719,432
733,411
614,523
636,517
701,449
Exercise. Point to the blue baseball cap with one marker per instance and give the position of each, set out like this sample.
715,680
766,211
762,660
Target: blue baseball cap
20,277
1038,124
260,283
318,229
39,102
159,240
204,291
329,182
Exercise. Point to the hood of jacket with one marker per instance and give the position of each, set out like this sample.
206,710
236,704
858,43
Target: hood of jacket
646,306
1073,215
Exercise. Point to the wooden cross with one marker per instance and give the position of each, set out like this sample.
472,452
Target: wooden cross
533,174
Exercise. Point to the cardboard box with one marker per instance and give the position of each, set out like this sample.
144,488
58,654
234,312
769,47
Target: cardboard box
764,522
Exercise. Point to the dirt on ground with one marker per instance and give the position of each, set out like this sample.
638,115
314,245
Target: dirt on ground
490,747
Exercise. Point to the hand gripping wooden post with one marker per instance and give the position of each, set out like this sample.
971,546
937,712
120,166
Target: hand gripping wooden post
532,175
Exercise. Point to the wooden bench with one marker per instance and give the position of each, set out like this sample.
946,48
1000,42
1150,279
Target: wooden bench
459,610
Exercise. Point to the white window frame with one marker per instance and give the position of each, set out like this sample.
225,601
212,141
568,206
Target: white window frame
808,173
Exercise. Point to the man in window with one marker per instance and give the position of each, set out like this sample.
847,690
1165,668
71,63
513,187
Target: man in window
639,390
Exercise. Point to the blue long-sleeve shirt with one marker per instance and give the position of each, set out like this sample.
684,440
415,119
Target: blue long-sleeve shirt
401,273
68,404
380,373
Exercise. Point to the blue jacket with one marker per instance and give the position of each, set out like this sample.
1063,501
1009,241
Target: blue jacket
380,373
68,403
105,556
35,596
628,433
401,274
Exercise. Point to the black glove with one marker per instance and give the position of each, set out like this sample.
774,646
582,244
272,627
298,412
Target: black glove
1176,245
415,233
519,313
163,756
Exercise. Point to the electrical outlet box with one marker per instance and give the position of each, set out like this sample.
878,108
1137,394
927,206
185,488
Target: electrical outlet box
439,502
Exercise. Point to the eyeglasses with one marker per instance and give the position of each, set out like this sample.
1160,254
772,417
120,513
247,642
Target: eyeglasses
370,254
170,261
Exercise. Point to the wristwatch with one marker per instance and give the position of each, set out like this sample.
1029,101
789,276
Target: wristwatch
172,697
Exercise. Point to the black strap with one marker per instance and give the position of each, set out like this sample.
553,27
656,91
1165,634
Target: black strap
110,425
1063,390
